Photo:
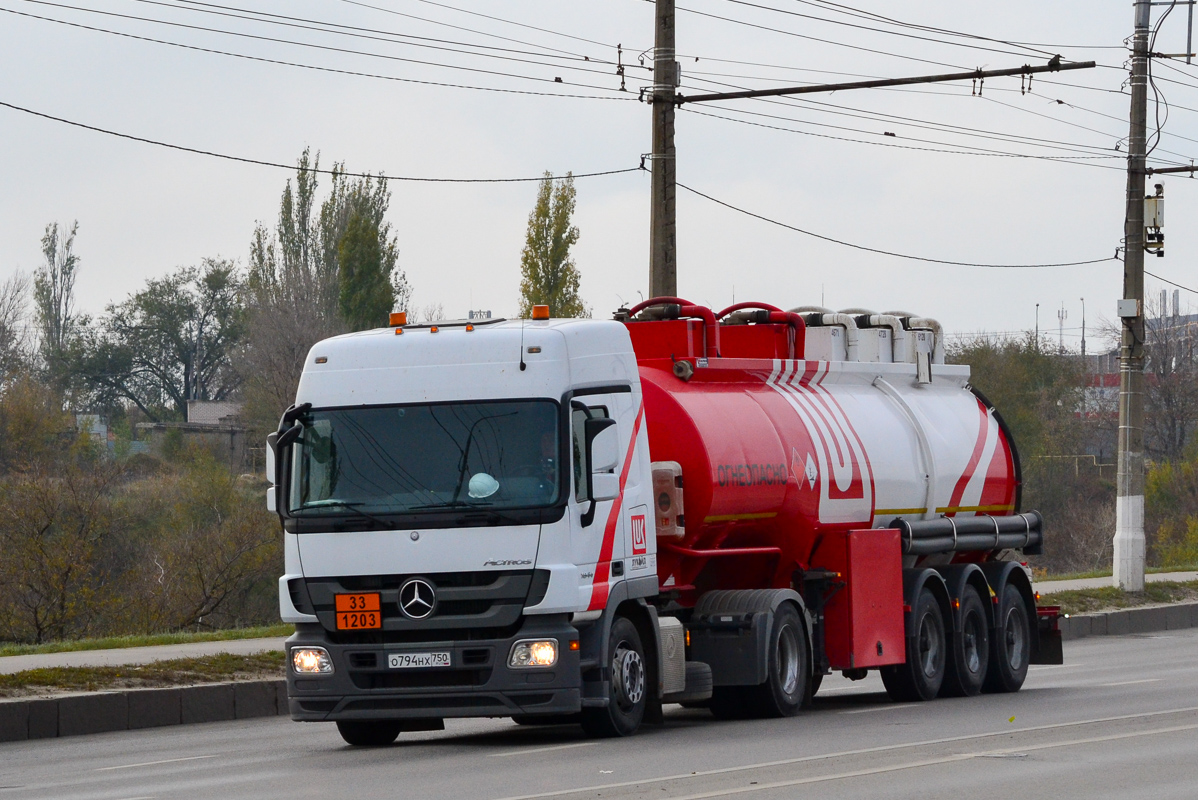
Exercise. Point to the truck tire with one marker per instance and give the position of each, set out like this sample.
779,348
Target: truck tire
1011,646
629,692
969,655
789,672
927,654
369,732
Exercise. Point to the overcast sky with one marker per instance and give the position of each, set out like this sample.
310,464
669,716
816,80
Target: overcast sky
834,169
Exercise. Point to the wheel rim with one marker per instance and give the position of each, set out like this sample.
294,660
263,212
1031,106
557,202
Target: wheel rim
929,646
628,676
786,660
971,644
1015,639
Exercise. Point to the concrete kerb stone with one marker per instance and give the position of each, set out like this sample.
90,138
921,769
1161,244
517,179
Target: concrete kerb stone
43,718
93,713
284,707
155,708
14,720
1146,620
210,703
258,699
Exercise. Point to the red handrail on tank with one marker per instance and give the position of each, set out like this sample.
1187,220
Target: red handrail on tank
711,332
797,324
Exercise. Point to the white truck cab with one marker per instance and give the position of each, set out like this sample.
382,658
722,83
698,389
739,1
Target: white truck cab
467,496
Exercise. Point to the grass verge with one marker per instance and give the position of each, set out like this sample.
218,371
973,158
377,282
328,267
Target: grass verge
1112,598
177,672
117,642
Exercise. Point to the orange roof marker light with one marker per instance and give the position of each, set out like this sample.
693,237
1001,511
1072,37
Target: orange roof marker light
433,329
469,327
540,312
398,318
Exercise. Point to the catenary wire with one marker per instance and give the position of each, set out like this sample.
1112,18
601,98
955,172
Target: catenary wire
974,152
278,165
853,11
265,60
746,3
370,34
310,45
1171,283
888,252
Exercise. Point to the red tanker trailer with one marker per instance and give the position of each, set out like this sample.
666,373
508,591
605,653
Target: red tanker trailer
580,519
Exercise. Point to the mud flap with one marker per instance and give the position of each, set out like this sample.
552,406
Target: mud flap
1047,647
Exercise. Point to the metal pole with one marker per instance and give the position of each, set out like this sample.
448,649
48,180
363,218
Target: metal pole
1190,33
1129,500
663,255
1083,333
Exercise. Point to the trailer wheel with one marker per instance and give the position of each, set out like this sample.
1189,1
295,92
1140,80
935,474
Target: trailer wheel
927,653
1011,648
368,732
629,691
970,651
786,683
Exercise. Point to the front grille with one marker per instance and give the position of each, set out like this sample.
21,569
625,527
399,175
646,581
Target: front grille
470,605
363,660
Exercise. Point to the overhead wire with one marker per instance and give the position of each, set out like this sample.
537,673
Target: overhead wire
278,165
617,96
311,45
775,10
857,12
1171,283
890,253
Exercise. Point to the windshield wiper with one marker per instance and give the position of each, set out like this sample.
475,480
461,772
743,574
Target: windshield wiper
352,506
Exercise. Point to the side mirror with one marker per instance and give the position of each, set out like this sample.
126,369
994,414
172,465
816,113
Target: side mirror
270,457
605,486
604,447
288,436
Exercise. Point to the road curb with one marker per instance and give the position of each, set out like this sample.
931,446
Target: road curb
133,709
1130,620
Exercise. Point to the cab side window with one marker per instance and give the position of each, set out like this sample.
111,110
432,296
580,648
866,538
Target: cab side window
578,416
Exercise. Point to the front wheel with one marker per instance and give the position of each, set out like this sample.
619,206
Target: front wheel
629,692
1011,647
786,683
369,732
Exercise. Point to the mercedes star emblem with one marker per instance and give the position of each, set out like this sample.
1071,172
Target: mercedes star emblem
417,599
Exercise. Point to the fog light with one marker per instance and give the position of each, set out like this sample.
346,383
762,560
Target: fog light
533,653
311,660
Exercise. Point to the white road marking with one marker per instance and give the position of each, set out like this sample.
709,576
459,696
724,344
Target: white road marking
1131,683
890,707
862,751
531,750
153,763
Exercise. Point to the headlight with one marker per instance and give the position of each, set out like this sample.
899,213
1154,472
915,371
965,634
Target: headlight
311,660
533,653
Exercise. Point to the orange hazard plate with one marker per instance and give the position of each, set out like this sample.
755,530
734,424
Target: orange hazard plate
356,612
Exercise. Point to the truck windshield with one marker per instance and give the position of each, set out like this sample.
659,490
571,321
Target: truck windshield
426,458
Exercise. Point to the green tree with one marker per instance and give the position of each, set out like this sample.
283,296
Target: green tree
295,296
169,343
548,274
366,293
54,298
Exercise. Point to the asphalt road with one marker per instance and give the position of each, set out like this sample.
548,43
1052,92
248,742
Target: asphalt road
1120,719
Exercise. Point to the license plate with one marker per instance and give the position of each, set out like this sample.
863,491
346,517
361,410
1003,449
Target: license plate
410,660
356,612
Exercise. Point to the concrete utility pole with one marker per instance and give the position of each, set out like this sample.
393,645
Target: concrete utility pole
663,239
1129,500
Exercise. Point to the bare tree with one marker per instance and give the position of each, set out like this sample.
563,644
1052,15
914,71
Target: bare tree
1171,401
54,297
13,341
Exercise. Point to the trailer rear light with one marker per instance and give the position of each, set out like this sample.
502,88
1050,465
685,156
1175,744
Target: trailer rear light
688,638
533,653
956,604
399,318
540,312
311,660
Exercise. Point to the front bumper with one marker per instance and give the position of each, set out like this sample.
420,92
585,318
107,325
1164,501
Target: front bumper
477,684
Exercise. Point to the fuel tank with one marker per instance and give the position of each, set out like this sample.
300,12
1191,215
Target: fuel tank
777,450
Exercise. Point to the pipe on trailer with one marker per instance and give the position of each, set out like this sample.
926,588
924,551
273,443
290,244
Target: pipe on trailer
957,534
